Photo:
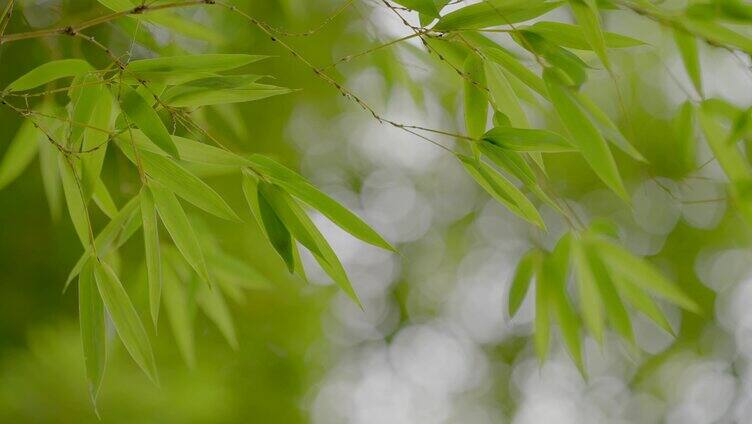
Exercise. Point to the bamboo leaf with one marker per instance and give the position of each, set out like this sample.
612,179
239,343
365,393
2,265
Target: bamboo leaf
476,104
687,45
48,72
214,306
521,280
514,67
542,323
587,286
151,251
91,162
140,112
494,12
643,303
503,96
92,322
586,13
174,69
642,274
126,320
501,190
180,229
76,206
528,140
573,37
21,151
178,309
299,187
727,155
50,177
198,96
718,34
584,135
615,310
609,130
684,129
181,182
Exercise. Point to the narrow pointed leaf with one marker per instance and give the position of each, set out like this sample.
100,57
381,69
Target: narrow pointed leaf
727,155
687,45
494,12
151,252
141,114
521,281
76,206
573,37
214,306
126,320
178,311
476,104
528,140
20,152
615,311
586,13
590,300
48,72
643,303
504,98
92,322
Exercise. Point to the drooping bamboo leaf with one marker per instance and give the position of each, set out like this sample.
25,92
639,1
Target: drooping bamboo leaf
85,97
642,274
587,287
687,45
615,311
727,155
180,229
643,303
103,199
151,251
140,112
126,320
50,177
684,129
476,104
513,66
95,141
196,96
92,321
176,302
214,306
521,280
48,72
494,12
21,150
607,127
528,140
588,18
584,134
718,34
503,96
178,180
542,323
175,69
76,206
501,190
299,187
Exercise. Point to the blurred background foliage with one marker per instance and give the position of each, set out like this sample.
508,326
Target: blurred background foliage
434,343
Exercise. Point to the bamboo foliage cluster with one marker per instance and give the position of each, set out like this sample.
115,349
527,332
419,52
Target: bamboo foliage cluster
135,106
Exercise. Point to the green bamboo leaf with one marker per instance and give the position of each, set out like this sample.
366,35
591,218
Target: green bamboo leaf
587,15
151,251
235,272
684,129
476,104
607,127
84,99
718,34
569,66
174,69
426,7
587,286
92,322
503,96
687,45
584,134
140,112
521,281
50,177
615,310
299,187
565,314
514,67
180,229
48,72
727,155
494,12
76,206
95,141
198,96
302,229
189,150
642,274
528,140
178,180
214,306
178,309
643,303
543,310
501,190
573,37
126,320
21,150
103,199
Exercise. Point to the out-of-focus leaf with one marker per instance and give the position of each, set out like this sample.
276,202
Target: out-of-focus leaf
151,251
181,182
718,34
50,176
214,306
584,134
642,274
528,140
687,45
171,69
48,72
180,229
299,187
501,190
503,96
607,127
684,128
542,323
91,319
103,199
476,104
572,36
587,287
146,119
615,311
176,302
727,155
21,150
521,280
643,303
494,12
126,320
